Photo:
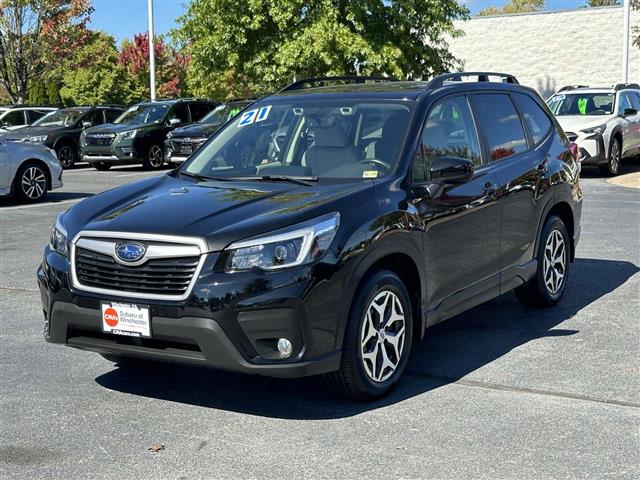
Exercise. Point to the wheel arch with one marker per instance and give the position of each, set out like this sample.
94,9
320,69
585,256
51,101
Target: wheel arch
31,161
563,210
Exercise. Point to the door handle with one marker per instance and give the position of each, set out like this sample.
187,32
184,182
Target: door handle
490,189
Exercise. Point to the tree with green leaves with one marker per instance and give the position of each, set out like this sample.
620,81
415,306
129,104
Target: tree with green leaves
93,75
514,6
35,35
241,49
602,3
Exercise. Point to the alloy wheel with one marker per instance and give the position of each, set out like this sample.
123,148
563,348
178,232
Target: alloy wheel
555,262
33,182
65,156
155,156
382,336
614,161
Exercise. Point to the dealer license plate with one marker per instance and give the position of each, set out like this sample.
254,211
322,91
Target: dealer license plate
126,319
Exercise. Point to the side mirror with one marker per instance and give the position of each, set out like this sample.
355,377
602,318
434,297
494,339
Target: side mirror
451,170
86,124
629,112
174,121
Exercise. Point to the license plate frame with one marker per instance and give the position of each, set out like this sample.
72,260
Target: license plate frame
126,319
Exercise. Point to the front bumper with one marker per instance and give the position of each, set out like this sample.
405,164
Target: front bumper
239,337
591,148
110,154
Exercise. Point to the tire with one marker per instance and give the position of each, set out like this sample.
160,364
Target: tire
102,166
612,167
67,155
547,287
154,158
31,182
358,378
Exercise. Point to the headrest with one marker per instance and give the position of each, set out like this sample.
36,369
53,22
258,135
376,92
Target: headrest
332,136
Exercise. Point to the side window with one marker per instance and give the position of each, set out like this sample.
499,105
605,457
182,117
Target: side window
635,100
448,132
14,119
625,102
96,117
536,118
112,115
180,112
199,110
501,125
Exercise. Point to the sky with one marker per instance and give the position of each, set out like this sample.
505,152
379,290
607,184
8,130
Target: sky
124,18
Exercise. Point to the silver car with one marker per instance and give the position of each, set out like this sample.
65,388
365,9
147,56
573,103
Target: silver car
28,171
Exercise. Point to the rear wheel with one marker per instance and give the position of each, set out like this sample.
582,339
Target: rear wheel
66,155
377,339
102,166
154,158
31,182
548,285
612,167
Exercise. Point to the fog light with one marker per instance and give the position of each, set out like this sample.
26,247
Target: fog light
284,347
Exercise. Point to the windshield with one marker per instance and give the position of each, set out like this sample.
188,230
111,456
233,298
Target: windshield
59,118
221,114
143,114
331,139
582,104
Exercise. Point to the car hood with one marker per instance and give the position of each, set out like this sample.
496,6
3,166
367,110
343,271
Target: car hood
195,130
21,133
115,127
221,212
575,123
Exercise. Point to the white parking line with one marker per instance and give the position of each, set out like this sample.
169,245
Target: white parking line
43,204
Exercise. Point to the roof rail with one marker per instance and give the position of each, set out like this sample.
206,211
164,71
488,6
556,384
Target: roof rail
300,84
571,87
438,81
621,86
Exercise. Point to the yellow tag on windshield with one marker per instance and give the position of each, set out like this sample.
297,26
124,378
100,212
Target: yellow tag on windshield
370,174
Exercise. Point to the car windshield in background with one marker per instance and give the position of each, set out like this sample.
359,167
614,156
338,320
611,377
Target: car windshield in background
221,114
60,118
330,139
143,114
582,104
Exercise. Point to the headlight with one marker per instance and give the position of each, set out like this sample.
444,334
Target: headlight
301,244
58,240
599,129
126,135
36,139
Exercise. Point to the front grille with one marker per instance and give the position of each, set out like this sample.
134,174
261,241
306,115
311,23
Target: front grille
571,136
100,139
186,146
165,276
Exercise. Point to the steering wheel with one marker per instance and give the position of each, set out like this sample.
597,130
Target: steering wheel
375,161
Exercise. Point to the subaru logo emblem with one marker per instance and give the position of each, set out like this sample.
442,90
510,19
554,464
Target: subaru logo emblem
130,251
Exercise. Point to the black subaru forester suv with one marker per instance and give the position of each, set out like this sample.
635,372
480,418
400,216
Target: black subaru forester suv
323,230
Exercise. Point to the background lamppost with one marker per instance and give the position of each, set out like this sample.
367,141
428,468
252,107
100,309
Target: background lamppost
625,42
152,53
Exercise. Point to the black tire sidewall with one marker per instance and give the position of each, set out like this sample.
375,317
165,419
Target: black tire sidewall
17,187
553,223
74,156
379,281
617,143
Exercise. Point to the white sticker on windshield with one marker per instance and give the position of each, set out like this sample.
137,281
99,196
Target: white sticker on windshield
559,97
247,118
263,113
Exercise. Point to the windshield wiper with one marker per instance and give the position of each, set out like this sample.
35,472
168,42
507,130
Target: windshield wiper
198,176
298,180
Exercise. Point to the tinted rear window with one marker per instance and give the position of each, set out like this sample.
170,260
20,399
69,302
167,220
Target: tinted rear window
501,125
537,120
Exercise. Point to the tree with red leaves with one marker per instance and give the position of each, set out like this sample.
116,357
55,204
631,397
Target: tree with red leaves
35,36
171,66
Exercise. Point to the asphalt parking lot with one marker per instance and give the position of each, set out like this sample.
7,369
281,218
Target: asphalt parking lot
500,391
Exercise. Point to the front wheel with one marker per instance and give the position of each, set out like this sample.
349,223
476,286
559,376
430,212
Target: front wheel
154,158
66,155
553,257
31,183
612,167
377,339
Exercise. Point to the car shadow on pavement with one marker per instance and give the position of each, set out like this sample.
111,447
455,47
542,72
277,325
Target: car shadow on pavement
448,352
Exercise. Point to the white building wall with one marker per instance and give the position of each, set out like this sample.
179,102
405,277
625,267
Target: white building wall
550,49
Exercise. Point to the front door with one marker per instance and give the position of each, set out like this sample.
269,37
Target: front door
462,222
5,167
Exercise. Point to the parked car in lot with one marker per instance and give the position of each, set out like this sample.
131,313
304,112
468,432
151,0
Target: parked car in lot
603,122
183,141
28,171
138,135
19,116
322,230
61,130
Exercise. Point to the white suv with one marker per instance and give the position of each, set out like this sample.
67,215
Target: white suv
603,122
18,116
